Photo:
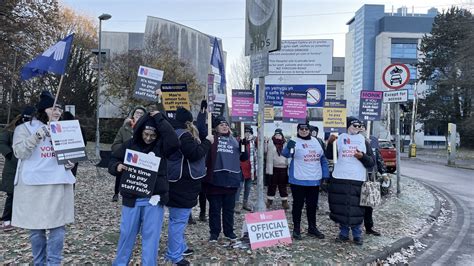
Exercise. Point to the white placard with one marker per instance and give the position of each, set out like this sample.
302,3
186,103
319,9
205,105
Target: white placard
67,141
302,57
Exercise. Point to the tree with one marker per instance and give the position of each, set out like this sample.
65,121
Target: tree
447,62
240,75
121,73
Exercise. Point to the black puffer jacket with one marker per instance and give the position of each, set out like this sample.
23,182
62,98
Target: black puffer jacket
165,145
344,195
184,192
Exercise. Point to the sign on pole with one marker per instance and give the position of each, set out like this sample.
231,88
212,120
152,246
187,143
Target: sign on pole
370,108
219,104
302,57
242,106
259,65
148,81
315,94
334,116
175,95
399,96
140,176
68,143
269,114
267,229
210,92
395,76
262,26
294,107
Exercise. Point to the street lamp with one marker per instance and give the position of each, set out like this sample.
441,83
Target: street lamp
97,132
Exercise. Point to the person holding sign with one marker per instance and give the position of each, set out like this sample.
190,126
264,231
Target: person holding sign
307,168
124,134
249,169
354,155
153,137
186,168
277,169
223,178
44,197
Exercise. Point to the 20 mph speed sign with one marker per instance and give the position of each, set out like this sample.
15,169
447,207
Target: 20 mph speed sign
395,76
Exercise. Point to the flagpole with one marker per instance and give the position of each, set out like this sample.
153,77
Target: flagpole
57,93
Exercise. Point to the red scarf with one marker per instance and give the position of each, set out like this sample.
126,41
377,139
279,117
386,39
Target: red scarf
278,144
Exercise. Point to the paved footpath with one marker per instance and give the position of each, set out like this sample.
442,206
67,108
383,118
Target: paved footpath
93,236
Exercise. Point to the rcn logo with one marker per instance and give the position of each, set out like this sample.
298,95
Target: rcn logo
132,158
58,50
347,141
143,71
56,128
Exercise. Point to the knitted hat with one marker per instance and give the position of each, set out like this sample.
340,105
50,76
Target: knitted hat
183,115
150,125
248,130
218,120
278,131
352,120
137,108
304,125
46,101
314,128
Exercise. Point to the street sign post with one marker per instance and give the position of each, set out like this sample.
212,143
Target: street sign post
259,65
395,76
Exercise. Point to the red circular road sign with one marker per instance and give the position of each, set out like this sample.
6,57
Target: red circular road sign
395,76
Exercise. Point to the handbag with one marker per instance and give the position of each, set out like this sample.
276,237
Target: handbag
370,193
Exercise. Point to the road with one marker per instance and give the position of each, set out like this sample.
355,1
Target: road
451,243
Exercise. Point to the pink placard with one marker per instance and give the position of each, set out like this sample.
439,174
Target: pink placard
242,105
267,228
294,107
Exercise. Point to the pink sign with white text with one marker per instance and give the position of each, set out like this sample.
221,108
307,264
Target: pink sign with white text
267,229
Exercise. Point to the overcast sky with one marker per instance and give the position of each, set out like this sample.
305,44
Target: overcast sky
302,19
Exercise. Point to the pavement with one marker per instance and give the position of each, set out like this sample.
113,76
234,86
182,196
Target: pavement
92,239
464,158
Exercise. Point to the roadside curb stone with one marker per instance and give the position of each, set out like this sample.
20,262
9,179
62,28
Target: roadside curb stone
405,242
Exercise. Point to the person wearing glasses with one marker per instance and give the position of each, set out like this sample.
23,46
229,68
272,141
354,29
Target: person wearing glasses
223,178
354,156
307,168
44,197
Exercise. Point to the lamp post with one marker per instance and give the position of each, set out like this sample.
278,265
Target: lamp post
97,131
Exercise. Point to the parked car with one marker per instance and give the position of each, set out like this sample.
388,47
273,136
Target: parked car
389,154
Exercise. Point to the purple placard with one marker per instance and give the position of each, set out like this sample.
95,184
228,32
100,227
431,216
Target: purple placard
370,107
294,107
210,92
242,105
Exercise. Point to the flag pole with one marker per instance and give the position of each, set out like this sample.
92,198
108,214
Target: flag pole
59,89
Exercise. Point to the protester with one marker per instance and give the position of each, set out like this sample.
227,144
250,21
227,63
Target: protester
277,169
152,133
354,156
69,116
249,169
10,165
44,197
124,134
223,178
379,167
186,168
307,168
314,133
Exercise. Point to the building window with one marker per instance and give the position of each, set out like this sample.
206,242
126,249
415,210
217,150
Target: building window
404,50
337,69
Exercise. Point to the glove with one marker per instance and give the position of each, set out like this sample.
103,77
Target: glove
42,133
243,141
69,165
291,144
210,138
332,138
203,105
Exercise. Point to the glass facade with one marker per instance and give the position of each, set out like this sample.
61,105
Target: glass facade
404,50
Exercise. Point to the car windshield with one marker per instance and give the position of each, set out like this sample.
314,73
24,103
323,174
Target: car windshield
385,145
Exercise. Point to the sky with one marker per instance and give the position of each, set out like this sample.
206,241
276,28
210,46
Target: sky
302,19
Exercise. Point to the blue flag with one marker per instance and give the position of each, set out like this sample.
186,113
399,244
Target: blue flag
52,60
216,61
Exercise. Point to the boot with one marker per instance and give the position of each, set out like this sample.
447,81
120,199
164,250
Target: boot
269,203
202,216
285,205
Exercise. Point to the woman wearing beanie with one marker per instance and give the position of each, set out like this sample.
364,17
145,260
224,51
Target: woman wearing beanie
153,134
44,197
9,169
124,134
354,156
186,168
223,178
307,168
277,169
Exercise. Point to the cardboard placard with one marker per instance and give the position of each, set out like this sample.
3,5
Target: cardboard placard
148,81
269,115
140,177
267,228
294,107
68,142
175,95
334,116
